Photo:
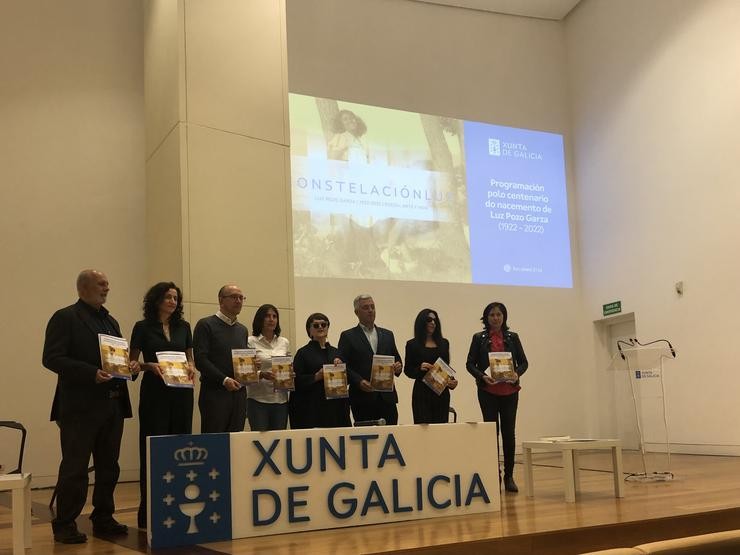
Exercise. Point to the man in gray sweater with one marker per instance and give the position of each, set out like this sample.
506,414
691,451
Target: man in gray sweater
223,400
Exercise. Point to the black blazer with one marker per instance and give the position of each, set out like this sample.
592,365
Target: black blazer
72,351
356,352
477,362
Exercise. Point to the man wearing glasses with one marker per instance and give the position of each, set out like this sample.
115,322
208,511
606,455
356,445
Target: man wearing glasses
222,401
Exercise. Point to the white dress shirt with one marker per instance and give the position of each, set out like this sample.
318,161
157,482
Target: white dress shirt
372,337
263,391
221,316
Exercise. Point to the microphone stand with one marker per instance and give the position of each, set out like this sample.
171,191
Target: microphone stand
634,344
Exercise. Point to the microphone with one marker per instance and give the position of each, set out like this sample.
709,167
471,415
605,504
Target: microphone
673,351
630,343
378,422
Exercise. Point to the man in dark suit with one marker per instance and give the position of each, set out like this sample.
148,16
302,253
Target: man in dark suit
356,347
89,408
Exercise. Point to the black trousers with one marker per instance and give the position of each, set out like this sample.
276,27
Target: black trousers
222,410
374,410
502,410
161,412
427,406
82,435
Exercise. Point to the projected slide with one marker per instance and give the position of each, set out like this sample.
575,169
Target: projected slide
388,194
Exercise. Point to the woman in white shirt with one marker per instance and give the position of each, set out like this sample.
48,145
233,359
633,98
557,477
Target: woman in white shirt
267,409
347,143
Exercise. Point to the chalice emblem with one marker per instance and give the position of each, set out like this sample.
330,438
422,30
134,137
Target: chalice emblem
191,456
193,508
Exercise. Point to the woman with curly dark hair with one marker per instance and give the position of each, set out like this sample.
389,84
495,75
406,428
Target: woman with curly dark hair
422,352
163,410
347,143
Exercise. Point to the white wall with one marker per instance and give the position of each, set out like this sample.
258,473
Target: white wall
466,64
72,190
656,124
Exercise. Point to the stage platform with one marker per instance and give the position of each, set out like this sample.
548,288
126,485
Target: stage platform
704,497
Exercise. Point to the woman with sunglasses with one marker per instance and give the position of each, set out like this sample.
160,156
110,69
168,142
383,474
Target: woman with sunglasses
421,353
308,405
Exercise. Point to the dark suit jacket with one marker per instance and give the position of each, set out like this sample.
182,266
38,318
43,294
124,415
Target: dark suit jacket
356,352
71,350
477,362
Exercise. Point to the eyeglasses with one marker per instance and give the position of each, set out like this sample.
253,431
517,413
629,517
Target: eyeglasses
431,319
234,297
319,325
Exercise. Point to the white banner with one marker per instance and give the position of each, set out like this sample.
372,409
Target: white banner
298,480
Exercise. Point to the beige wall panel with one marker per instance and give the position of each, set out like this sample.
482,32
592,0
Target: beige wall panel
184,208
73,190
163,211
289,219
186,308
235,66
288,323
164,75
238,222
431,59
201,310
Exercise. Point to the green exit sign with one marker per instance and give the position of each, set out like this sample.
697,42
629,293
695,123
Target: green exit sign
613,308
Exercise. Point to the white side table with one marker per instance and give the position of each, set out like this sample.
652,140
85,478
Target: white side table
20,485
569,450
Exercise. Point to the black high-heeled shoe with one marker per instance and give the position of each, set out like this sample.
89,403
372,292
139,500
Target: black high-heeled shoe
510,484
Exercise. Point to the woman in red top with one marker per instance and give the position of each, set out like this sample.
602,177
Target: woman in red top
498,401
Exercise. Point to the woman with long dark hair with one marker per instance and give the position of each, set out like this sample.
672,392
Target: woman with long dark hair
163,410
422,352
267,409
498,401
